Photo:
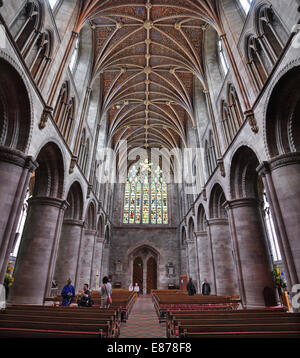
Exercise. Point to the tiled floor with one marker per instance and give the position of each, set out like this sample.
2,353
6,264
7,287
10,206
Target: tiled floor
143,321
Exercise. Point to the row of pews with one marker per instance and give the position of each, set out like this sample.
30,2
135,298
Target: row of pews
254,323
32,321
165,301
219,317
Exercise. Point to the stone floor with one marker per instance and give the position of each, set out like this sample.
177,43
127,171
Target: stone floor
143,321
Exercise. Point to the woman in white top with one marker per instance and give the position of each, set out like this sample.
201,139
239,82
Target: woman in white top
137,289
105,292
130,287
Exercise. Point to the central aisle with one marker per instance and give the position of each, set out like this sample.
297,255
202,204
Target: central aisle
143,321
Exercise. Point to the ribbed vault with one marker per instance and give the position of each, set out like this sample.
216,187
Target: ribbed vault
148,54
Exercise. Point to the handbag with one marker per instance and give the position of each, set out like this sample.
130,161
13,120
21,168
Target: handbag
109,299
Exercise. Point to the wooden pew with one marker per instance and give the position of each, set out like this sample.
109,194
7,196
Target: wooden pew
164,302
42,318
44,321
240,323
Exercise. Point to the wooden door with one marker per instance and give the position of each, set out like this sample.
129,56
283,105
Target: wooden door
138,273
183,282
151,275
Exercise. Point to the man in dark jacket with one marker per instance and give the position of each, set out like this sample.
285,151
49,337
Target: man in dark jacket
205,288
85,299
191,288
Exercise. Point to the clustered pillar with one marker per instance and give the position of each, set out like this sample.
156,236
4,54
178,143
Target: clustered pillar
205,260
281,178
37,253
226,283
252,256
68,253
15,172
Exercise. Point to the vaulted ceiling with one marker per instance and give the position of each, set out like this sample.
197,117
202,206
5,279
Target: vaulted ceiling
148,54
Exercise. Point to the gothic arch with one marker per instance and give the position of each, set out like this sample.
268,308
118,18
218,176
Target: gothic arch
107,235
75,201
216,203
49,176
90,217
201,219
271,30
243,174
28,25
282,126
100,226
191,228
183,236
15,110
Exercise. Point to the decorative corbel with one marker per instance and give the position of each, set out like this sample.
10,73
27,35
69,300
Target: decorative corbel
221,166
47,112
72,164
249,116
204,194
89,190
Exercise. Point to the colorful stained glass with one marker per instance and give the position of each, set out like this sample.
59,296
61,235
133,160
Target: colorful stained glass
145,197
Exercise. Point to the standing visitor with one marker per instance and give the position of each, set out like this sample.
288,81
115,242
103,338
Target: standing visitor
137,289
105,292
191,288
205,288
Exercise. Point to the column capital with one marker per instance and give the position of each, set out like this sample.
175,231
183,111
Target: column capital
200,234
90,231
190,242
13,156
217,221
263,169
284,160
46,200
242,202
73,222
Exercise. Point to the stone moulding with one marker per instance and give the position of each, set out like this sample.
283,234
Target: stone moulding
284,160
17,157
45,200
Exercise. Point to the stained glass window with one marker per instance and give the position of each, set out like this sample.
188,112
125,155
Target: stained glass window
146,195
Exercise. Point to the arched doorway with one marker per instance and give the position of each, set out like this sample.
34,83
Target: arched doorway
138,273
151,275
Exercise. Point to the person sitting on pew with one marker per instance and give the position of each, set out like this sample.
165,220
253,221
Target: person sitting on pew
68,293
85,299
191,288
205,288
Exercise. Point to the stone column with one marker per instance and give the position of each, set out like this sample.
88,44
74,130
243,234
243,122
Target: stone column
85,259
192,262
15,172
226,283
105,260
37,253
205,260
252,256
68,252
97,263
281,177
183,261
